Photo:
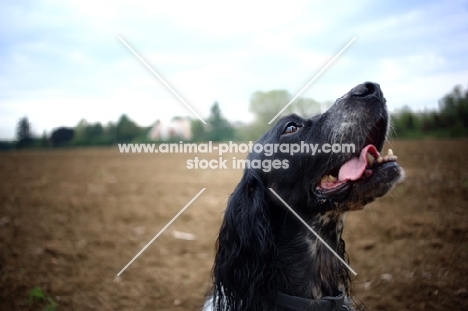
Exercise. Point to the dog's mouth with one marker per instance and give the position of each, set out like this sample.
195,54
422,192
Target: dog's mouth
357,169
360,168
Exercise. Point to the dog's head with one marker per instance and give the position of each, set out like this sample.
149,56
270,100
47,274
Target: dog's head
332,161
329,177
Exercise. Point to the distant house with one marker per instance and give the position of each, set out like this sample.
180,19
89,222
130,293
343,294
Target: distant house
179,128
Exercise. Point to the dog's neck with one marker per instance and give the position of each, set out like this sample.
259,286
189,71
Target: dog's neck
308,269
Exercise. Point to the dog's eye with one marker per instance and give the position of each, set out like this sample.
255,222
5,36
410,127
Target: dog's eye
291,128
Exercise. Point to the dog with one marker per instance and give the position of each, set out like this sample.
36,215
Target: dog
266,258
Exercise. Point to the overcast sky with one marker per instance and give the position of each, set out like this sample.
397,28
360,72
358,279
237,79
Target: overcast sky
62,61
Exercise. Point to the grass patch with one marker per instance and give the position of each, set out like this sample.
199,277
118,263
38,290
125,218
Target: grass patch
36,296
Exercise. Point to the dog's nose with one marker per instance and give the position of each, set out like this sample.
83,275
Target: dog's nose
367,89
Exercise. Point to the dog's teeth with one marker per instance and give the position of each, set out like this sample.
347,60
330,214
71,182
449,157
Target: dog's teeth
370,158
390,152
327,178
380,159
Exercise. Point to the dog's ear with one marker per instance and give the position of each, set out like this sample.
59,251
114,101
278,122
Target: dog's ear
245,249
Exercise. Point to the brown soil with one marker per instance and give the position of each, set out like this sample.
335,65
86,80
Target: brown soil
70,220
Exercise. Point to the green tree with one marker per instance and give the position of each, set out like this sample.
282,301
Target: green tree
307,107
454,107
80,138
23,133
404,122
110,133
94,133
126,130
219,128
266,105
44,140
198,130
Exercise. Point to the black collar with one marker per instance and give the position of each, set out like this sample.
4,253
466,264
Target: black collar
294,303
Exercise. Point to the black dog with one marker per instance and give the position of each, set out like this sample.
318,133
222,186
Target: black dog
266,258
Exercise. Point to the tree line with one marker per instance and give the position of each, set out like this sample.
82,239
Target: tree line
450,120
125,130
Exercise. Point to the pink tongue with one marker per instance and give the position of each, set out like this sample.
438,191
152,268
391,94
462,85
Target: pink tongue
354,168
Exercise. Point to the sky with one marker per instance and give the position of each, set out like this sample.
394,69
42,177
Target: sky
62,61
